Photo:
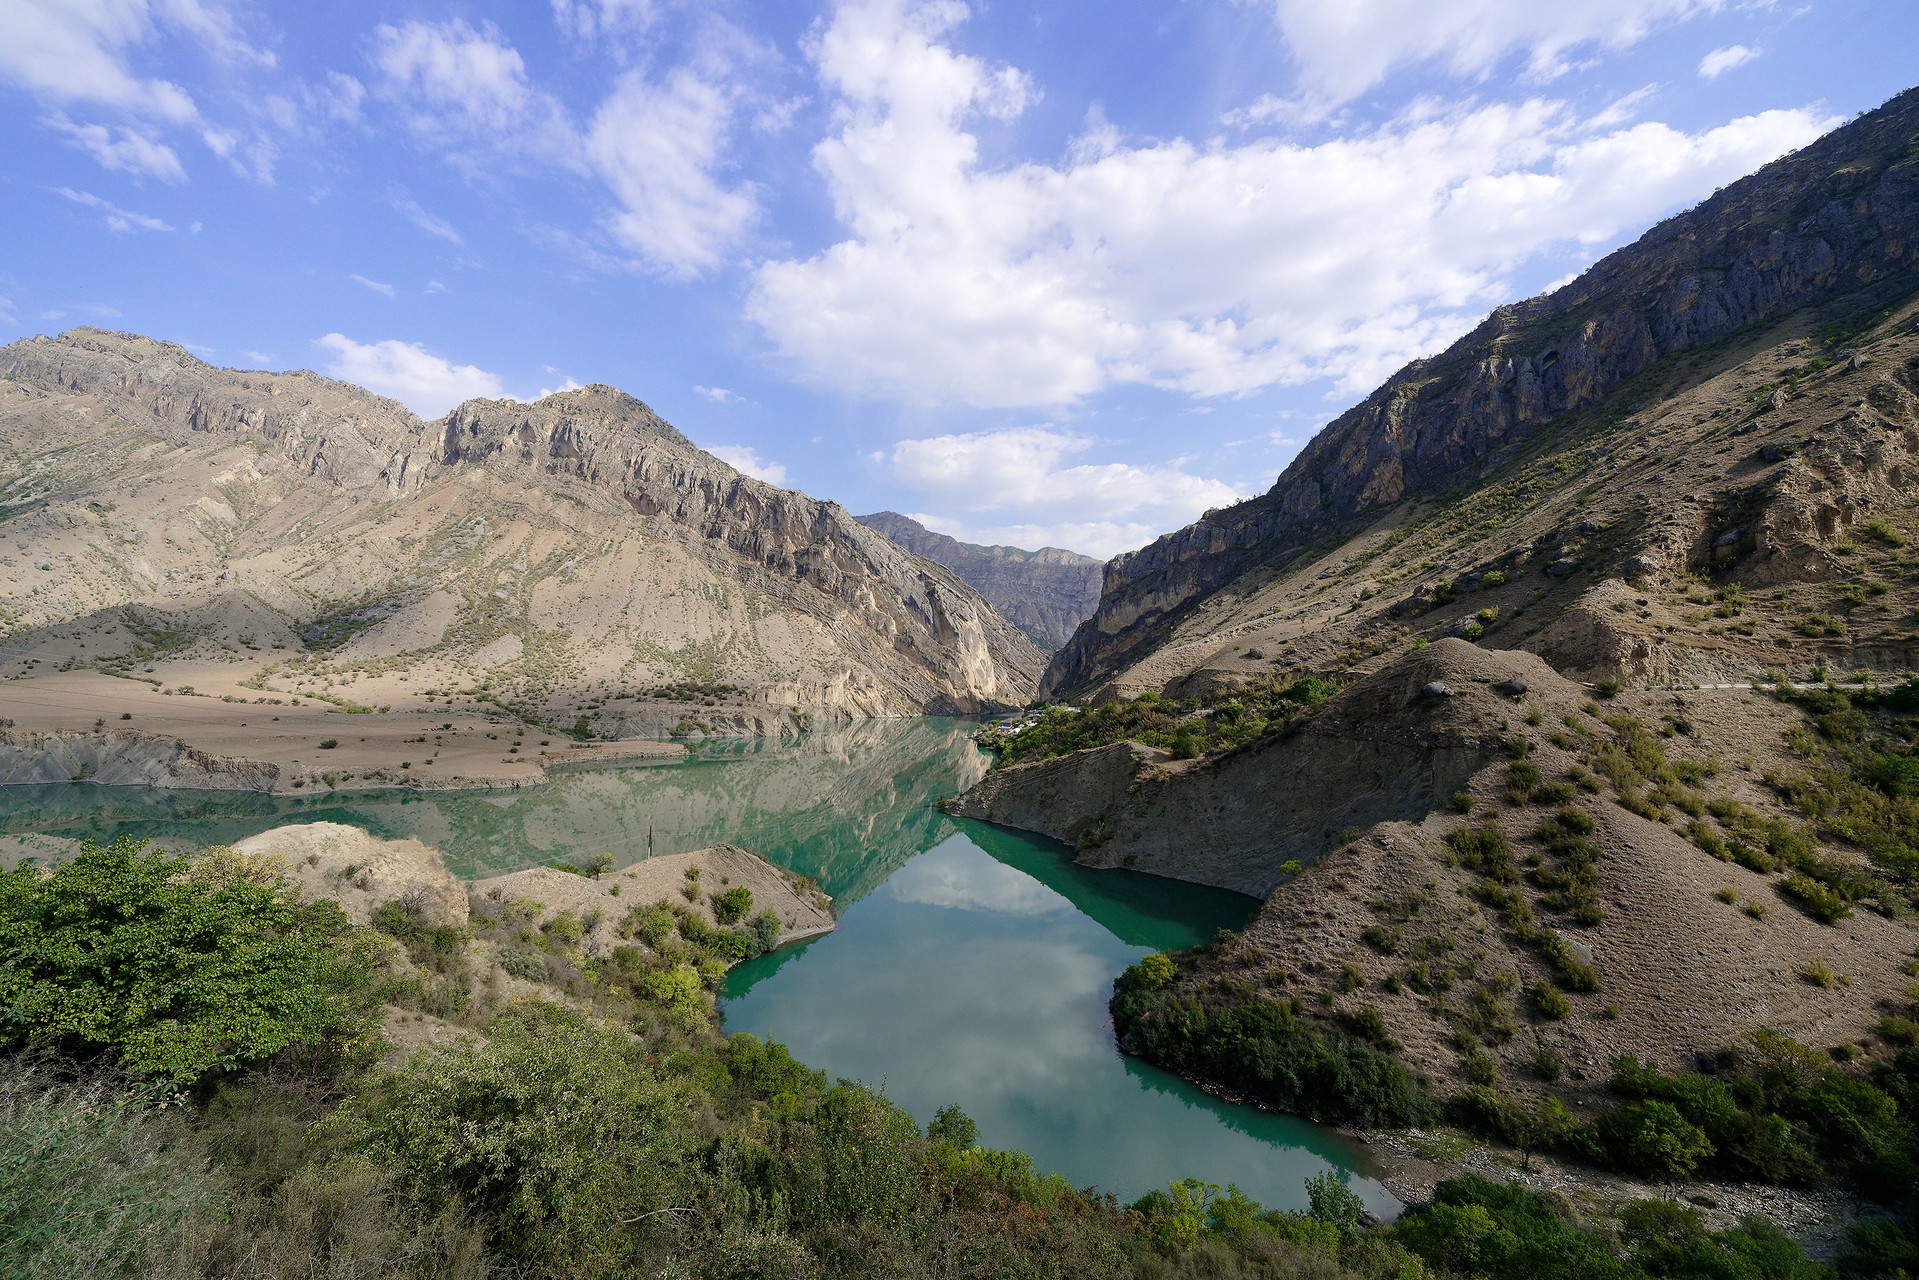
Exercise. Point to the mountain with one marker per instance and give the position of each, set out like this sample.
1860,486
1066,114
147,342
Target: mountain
1618,595
573,558
1623,388
1045,593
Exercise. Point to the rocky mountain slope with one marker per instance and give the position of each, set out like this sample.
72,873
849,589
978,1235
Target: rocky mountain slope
1651,403
1045,593
1567,803
577,561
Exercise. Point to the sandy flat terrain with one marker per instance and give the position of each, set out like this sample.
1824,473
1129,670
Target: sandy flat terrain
411,743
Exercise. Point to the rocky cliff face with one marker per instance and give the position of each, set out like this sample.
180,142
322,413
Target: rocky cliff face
1839,217
1045,593
574,554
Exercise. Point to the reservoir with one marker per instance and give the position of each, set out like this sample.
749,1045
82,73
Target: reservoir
971,966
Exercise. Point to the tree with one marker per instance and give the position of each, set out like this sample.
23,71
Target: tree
179,972
951,1124
1331,1199
1653,1139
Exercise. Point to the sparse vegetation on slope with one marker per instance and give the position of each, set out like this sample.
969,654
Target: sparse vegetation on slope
1186,728
630,1139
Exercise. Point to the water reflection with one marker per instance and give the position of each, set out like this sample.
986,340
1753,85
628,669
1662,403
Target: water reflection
973,964
966,979
847,805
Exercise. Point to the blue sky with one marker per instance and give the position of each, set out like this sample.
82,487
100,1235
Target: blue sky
1061,273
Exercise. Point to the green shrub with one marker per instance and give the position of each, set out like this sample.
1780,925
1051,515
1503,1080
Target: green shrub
1814,898
555,1131
180,972
1262,1046
766,931
733,905
1552,1001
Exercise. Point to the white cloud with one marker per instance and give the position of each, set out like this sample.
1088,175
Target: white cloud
1020,486
462,80
423,382
75,52
718,395
73,55
658,146
433,225
1206,268
589,20
1345,48
377,286
118,219
262,358
122,149
746,460
1720,61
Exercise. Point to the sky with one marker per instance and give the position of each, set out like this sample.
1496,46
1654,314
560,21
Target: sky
1065,273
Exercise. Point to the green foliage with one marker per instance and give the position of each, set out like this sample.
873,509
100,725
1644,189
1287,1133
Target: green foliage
733,905
88,1185
556,1131
1185,729
123,949
952,1124
766,931
1264,1047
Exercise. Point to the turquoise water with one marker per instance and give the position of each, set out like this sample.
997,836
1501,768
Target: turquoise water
972,964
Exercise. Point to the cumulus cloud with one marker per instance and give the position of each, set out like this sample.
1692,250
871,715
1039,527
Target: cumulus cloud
658,145
76,52
79,56
718,395
747,461
1345,48
991,485
423,382
120,220
1209,268
1720,61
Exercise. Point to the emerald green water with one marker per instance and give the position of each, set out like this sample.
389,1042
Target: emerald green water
972,964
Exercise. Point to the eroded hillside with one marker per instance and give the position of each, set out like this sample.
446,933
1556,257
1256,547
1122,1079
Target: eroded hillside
576,562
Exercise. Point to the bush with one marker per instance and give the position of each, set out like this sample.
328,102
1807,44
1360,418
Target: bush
555,1131
180,973
1262,1046
1551,1001
766,931
1814,898
1650,1139
733,905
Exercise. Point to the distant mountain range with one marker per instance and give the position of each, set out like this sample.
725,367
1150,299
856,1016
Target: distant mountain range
1045,593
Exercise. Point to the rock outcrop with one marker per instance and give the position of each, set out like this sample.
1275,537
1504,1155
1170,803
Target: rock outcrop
1045,593
578,553
1840,217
